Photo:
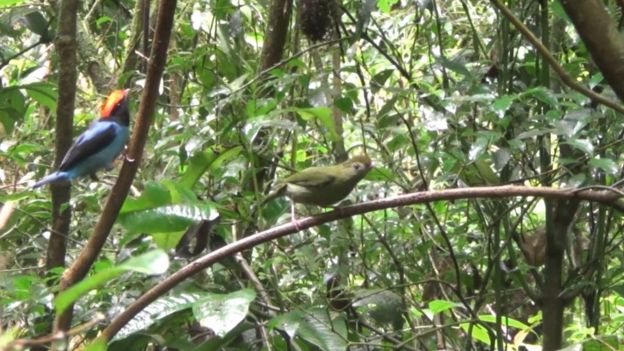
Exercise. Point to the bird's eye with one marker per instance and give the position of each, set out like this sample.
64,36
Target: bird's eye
357,166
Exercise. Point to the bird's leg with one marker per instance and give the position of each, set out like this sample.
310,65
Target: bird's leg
94,177
293,219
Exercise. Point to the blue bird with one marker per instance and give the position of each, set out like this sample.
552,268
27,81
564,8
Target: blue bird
99,145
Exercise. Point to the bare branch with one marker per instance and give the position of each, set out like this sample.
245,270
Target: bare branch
602,196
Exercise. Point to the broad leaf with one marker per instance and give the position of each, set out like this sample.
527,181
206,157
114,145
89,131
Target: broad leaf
154,262
170,218
222,313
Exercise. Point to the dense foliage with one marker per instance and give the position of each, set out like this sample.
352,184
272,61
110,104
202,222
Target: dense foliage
441,94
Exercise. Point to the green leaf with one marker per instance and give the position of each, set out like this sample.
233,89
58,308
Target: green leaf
477,331
223,312
506,321
37,23
170,218
199,163
603,343
438,306
6,3
478,148
557,9
315,327
153,262
97,345
154,195
531,134
454,66
485,172
157,310
12,107
102,21
386,5
318,329
44,93
543,94
8,335
345,104
225,157
288,322
379,80
323,115
168,240
383,306
180,194
221,343
502,104
584,145
206,76
380,174
606,164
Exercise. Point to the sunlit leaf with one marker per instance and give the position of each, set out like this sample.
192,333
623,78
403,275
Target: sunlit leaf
314,326
323,115
380,173
477,332
12,107
386,5
154,195
97,345
506,321
584,145
153,262
158,310
170,218
606,164
502,104
454,66
199,163
438,306
222,313
6,3
543,94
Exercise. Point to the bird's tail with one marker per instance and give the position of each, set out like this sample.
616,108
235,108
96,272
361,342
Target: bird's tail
51,178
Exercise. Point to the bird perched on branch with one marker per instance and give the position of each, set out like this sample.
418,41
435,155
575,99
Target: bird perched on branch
99,145
323,186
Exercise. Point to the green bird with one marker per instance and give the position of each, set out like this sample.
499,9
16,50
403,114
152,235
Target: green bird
323,186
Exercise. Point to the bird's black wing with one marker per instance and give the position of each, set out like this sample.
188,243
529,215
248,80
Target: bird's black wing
88,143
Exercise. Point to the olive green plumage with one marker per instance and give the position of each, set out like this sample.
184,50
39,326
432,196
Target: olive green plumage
324,186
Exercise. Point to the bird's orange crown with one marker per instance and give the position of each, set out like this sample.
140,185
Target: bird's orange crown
113,99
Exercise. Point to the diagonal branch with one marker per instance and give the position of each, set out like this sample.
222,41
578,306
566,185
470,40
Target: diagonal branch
91,250
547,55
606,197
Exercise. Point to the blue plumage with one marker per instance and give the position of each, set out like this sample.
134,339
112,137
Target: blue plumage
99,145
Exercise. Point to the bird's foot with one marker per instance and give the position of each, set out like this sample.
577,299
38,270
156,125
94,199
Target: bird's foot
94,177
129,159
293,218
295,222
